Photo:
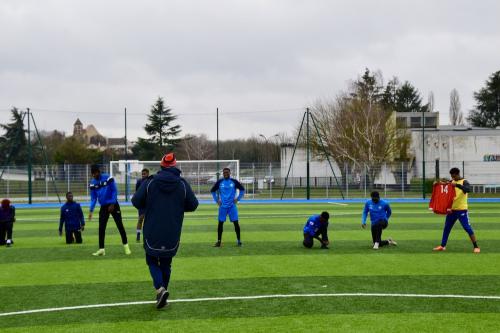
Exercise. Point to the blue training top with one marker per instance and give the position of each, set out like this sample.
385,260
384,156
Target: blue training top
313,225
226,190
103,190
71,216
378,211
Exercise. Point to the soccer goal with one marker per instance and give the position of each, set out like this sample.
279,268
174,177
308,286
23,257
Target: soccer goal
200,174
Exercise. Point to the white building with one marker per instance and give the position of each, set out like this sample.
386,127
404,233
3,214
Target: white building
476,151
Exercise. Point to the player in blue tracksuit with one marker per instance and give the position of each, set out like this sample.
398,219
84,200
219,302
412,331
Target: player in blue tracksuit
224,194
317,225
141,211
72,219
380,212
103,189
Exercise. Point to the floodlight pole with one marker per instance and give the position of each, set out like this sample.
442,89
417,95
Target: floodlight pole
423,155
217,145
308,181
30,185
126,160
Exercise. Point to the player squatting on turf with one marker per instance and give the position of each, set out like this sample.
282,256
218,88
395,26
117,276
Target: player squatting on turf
380,212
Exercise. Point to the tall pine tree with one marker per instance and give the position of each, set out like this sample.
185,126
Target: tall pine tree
163,135
14,140
487,110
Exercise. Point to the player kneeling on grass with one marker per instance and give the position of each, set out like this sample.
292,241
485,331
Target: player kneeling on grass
380,212
317,225
72,219
164,198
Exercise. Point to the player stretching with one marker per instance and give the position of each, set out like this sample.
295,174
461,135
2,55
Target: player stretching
379,211
224,194
458,211
140,221
103,189
317,225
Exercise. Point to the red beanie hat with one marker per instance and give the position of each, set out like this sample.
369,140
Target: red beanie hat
168,160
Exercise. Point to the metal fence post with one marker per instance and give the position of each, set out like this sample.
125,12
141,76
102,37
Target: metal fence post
402,179
8,181
87,179
69,168
46,183
385,179
346,172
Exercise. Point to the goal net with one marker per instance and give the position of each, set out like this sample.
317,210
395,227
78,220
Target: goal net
201,175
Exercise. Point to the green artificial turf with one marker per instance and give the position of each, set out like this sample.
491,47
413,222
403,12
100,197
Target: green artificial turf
40,271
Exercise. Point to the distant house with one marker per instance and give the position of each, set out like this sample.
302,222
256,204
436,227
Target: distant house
93,139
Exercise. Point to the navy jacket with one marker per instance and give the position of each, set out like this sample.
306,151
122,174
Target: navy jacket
137,186
7,215
71,217
165,197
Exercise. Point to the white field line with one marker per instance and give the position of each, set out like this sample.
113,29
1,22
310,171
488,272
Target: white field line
211,299
338,203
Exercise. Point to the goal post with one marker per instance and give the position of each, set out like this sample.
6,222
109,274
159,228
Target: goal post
201,174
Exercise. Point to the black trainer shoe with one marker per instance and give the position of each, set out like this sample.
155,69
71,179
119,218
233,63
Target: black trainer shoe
325,247
239,244
217,244
161,298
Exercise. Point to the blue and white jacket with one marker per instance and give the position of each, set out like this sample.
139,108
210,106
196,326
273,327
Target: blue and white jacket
314,227
380,211
225,189
103,190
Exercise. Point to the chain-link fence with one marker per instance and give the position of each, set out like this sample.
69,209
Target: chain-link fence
265,180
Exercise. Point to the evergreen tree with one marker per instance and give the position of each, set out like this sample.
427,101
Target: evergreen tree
408,99
160,129
14,140
487,109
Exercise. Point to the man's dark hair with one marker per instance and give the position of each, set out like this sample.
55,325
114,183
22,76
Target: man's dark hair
95,168
145,170
375,194
454,171
67,193
226,169
325,215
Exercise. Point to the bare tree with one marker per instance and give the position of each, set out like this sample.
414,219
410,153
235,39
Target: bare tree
456,115
430,102
359,130
196,147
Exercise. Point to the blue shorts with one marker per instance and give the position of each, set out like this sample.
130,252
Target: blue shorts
231,211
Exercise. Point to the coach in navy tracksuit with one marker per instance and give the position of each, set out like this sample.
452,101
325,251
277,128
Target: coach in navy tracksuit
72,219
224,194
164,197
103,189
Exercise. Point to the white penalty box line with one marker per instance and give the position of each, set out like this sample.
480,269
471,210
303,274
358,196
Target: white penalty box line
237,298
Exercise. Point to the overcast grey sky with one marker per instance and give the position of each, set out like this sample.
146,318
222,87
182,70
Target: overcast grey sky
261,62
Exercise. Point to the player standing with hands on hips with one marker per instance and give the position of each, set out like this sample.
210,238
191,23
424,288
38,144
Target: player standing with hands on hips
103,189
164,198
224,194
459,211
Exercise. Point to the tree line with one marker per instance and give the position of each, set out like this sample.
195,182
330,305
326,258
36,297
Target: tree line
357,125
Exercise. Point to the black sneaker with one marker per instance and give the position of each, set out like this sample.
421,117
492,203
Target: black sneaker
161,298
217,244
239,244
325,247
